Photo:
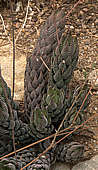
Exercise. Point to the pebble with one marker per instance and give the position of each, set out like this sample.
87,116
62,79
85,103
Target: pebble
91,164
85,9
93,78
81,12
71,27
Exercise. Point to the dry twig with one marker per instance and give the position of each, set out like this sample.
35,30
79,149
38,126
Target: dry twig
52,145
24,22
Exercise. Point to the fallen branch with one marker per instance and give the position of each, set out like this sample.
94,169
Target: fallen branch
52,145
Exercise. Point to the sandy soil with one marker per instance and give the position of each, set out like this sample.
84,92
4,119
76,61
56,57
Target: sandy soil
6,61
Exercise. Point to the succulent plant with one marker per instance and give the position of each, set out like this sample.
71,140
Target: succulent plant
36,74
47,98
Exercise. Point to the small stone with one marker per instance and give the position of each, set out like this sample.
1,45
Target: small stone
92,164
81,12
93,78
85,9
30,9
92,13
96,108
92,25
20,20
71,27
66,26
